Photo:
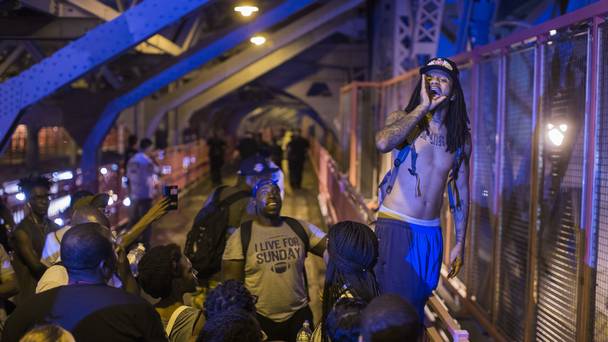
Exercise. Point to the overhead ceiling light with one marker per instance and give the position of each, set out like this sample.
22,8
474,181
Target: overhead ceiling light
246,10
258,40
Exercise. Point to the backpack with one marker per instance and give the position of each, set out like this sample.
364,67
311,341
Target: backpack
207,239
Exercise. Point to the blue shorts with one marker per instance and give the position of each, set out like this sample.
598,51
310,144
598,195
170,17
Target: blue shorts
409,261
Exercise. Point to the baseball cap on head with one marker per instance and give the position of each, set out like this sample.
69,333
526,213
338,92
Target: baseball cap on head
443,64
99,200
255,166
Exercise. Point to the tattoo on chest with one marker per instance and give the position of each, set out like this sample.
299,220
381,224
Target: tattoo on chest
433,138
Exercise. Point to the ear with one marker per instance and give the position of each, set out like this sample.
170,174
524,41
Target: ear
176,269
106,269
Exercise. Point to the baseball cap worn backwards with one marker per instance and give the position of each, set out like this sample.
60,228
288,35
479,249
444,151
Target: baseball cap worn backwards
255,166
443,64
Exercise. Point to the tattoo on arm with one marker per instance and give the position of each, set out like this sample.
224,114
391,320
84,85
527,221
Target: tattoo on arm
461,214
399,125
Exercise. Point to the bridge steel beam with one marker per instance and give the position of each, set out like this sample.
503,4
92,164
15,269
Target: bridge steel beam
155,44
76,59
184,65
252,63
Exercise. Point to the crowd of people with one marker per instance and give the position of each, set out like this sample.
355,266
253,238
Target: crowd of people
82,282
76,282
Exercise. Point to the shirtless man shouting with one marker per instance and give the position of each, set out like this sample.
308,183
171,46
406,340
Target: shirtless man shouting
431,140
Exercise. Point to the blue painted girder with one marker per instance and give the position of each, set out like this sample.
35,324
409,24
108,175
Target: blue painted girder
93,49
185,64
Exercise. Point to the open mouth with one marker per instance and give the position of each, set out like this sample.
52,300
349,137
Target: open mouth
435,92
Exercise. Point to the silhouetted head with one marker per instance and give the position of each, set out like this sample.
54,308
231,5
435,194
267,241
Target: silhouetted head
145,145
132,140
229,295
48,333
344,320
86,250
164,270
389,318
85,214
231,326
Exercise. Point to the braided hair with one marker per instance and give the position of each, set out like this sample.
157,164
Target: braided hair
456,120
353,252
233,325
228,295
157,269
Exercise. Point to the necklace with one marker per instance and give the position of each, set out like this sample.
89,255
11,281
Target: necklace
433,138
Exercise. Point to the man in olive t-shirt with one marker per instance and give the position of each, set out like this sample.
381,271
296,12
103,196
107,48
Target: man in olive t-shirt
273,267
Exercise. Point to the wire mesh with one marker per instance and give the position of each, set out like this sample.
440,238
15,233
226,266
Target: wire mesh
600,204
561,178
482,217
367,152
515,211
344,130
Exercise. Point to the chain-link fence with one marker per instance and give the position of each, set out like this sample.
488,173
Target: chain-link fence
537,258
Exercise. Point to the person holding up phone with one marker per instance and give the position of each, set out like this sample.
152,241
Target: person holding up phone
142,170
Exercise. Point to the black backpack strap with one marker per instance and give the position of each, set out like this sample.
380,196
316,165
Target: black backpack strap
228,201
297,228
245,237
216,194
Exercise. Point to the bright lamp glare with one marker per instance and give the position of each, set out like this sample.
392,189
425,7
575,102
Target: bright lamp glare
552,32
20,196
103,171
563,127
556,137
58,221
246,11
126,202
258,40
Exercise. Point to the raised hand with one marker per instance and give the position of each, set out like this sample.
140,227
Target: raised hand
427,100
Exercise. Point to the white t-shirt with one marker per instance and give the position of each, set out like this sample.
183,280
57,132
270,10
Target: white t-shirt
142,173
274,267
51,253
57,275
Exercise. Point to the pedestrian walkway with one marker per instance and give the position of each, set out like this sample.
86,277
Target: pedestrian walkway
298,203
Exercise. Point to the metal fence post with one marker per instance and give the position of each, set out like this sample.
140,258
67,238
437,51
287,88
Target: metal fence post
585,321
532,284
497,205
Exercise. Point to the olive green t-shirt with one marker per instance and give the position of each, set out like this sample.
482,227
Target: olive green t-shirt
274,267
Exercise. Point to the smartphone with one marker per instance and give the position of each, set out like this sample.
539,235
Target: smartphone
170,192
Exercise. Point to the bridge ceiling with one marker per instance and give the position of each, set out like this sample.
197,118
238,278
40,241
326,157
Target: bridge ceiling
86,54
285,44
184,65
